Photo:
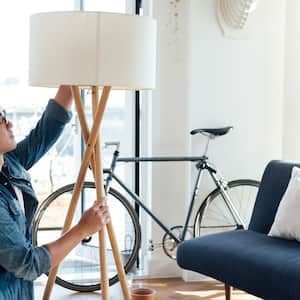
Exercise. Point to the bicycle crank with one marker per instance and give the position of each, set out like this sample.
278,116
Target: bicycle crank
169,244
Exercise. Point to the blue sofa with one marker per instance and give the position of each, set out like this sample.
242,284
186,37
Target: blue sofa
250,260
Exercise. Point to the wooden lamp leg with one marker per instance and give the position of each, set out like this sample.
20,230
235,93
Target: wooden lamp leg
79,183
94,159
98,175
111,234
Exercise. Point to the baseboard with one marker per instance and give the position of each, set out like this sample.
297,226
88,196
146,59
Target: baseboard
158,265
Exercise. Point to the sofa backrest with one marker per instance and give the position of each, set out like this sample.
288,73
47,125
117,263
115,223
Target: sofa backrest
273,185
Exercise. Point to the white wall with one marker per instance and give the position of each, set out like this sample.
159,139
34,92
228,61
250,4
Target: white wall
291,141
239,83
207,80
170,124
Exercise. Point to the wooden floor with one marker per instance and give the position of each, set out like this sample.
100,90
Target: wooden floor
178,289
167,289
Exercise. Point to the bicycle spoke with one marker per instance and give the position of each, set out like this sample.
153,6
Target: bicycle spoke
215,216
81,268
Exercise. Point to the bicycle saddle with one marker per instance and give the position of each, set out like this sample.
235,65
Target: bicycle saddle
212,131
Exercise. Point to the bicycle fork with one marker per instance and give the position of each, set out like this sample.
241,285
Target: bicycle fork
220,184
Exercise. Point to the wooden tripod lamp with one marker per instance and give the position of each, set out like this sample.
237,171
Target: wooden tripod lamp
92,50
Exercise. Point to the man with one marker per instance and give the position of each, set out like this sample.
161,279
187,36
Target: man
20,263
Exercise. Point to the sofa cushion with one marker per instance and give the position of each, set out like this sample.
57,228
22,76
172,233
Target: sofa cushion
273,185
287,221
265,266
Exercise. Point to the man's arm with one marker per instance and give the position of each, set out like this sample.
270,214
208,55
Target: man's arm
18,256
91,222
64,97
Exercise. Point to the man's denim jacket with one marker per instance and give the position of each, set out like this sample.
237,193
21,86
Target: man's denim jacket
20,263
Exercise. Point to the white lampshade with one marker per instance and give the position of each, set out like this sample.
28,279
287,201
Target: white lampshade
92,49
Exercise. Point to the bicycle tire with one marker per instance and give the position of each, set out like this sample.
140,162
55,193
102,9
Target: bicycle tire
214,216
117,202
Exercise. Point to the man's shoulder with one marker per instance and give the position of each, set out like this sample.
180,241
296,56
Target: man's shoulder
15,169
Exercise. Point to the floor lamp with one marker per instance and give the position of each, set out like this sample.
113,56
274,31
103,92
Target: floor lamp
92,50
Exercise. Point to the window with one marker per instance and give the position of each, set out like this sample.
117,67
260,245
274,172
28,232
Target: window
25,104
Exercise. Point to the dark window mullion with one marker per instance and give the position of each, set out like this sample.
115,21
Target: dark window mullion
138,5
137,141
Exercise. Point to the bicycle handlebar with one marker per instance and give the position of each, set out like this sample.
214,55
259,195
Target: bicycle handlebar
114,143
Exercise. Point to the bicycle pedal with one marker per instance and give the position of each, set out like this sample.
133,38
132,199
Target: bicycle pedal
152,246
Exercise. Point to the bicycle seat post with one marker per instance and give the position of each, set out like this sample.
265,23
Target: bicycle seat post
207,144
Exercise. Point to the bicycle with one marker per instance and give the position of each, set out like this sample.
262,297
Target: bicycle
227,207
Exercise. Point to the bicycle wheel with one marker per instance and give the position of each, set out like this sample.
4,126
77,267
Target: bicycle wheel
80,270
214,216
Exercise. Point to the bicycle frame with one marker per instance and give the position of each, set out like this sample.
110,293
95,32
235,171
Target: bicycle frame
201,164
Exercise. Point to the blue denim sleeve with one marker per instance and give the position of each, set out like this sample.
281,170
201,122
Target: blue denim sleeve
17,255
43,136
